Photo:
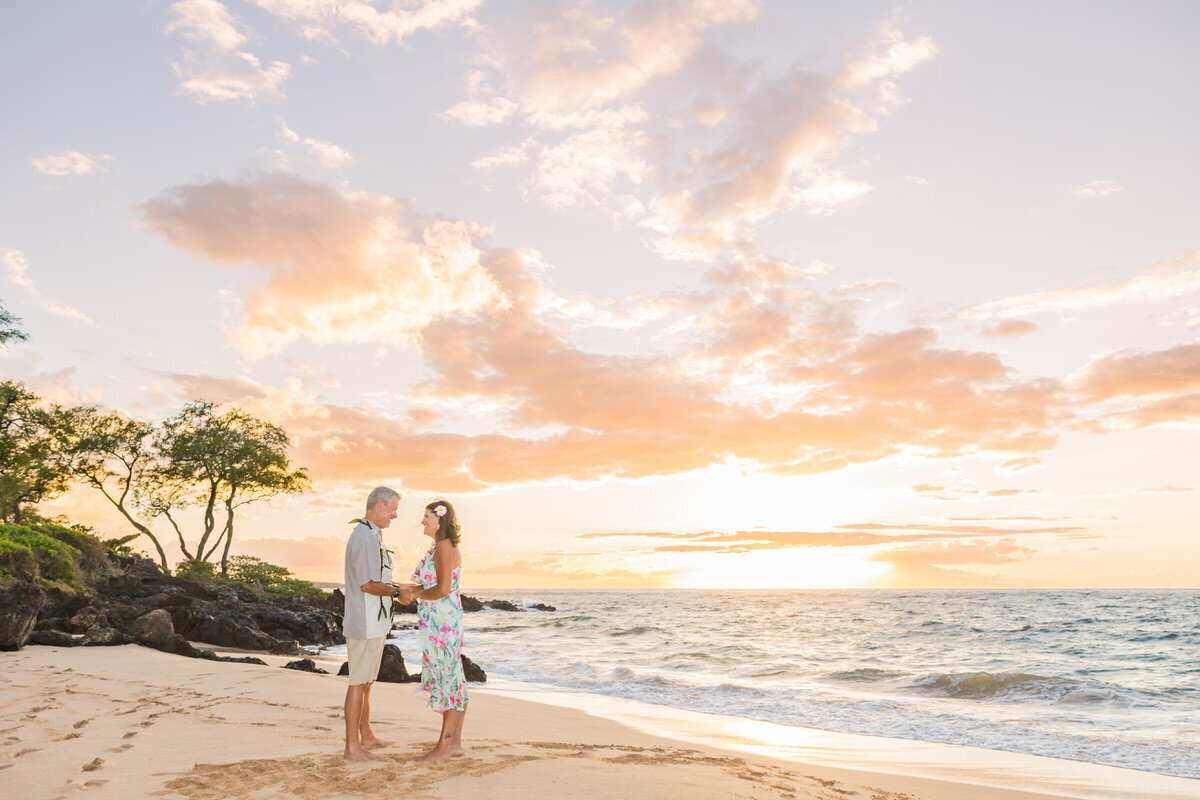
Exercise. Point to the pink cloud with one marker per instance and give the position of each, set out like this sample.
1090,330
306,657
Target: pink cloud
340,267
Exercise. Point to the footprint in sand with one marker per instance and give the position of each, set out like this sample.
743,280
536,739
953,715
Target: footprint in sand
92,765
81,723
67,736
121,748
20,753
130,735
92,784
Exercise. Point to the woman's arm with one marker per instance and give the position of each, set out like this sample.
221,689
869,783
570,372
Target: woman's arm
443,563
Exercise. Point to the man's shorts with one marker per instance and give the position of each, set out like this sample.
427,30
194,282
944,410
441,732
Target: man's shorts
364,656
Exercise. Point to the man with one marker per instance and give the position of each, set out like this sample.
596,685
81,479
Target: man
368,616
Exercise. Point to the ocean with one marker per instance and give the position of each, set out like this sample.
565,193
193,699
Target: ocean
1107,677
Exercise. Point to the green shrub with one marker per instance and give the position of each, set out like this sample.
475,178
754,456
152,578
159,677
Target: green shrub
196,570
16,560
91,549
54,562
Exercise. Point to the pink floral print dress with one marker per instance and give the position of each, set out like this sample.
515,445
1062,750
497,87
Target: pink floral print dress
441,625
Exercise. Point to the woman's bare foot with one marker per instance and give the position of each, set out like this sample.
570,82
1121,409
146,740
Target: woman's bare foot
359,754
372,744
436,754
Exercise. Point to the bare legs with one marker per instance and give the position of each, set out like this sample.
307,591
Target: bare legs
450,740
359,736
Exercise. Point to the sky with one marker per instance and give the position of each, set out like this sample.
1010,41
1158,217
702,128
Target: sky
694,294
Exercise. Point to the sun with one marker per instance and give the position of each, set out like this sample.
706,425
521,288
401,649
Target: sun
792,568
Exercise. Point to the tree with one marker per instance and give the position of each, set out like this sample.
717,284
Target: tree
219,462
34,450
9,327
114,455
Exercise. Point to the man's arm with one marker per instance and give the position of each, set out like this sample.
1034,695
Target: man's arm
379,589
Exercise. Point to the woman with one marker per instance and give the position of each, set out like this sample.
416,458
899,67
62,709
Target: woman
439,609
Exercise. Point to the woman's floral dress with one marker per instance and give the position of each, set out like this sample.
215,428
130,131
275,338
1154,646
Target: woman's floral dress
441,624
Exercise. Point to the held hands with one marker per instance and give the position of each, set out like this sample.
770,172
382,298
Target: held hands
407,593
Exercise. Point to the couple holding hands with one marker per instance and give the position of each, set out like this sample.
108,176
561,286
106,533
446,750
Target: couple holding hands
370,592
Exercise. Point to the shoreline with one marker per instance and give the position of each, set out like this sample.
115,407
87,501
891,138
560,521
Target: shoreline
130,721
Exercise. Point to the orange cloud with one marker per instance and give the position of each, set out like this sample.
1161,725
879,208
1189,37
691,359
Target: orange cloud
1009,327
341,267
1127,374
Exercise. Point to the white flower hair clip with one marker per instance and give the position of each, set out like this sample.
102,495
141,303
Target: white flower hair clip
440,511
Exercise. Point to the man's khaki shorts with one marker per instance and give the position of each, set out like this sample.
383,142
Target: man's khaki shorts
364,656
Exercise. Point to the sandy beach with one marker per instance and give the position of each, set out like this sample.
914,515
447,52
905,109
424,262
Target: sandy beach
127,722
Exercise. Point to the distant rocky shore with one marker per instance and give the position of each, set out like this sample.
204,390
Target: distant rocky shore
133,601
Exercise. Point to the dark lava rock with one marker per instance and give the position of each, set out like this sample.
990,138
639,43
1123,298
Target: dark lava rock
410,608
542,607
470,604
101,636
52,639
87,617
305,665
228,629
391,667
503,605
473,671
152,628
19,607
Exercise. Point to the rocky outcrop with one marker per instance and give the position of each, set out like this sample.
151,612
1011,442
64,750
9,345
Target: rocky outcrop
153,629
305,665
473,672
104,636
213,625
19,606
52,639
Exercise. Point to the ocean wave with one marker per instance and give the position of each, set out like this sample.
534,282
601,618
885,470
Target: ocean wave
1022,686
862,675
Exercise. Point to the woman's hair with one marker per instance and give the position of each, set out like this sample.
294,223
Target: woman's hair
447,523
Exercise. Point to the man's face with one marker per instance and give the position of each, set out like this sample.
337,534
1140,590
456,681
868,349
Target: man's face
388,512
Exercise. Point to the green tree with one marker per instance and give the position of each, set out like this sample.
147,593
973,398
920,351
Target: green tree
218,462
9,327
116,456
34,450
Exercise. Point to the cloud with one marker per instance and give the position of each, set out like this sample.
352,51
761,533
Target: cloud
239,77
70,162
1174,371
207,22
1167,489
1020,464
503,156
738,145
1009,327
348,268
18,273
319,18
1162,281
218,71
1096,189
944,492
575,59
326,153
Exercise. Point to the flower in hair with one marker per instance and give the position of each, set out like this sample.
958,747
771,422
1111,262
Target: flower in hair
440,511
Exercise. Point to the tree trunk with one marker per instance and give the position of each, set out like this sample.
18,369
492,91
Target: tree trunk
228,540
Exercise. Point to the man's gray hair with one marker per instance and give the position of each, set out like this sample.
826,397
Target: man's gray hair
381,493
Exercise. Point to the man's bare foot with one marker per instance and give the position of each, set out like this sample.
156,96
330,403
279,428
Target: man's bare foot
371,744
359,754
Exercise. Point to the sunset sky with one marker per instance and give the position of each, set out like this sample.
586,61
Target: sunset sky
669,293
